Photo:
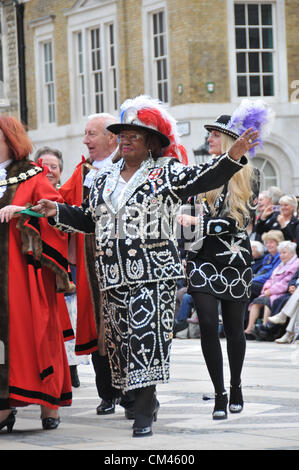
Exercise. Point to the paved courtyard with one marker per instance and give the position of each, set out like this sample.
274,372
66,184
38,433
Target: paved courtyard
269,421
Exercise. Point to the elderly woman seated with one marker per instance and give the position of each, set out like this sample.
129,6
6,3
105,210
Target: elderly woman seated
270,261
258,254
275,286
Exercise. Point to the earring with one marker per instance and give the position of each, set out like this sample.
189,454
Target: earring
150,153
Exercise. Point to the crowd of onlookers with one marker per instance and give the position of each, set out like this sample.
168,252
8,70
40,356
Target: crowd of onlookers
272,313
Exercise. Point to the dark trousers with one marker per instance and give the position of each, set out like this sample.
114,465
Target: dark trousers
103,382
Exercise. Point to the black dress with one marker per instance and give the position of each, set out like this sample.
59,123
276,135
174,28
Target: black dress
222,266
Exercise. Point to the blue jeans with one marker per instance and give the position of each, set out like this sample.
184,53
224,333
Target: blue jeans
185,308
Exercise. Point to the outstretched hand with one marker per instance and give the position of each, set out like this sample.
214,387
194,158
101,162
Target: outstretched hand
243,144
45,207
8,212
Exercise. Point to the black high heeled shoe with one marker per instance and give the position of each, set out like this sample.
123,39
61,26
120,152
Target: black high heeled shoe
147,430
50,423
236,402
146,411
220,408
9,422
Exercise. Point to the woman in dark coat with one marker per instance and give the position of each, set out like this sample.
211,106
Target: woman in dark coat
219,265
132,209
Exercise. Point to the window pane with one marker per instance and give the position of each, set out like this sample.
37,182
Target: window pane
267,38
267,62
254,42
241,62
239,14
161,22
268,85
269,170
164,69
266,14
156,47
159,71
253,59
242,86
162,50
254,83
160,94
165,97
155,21
240,38
253,14
111,34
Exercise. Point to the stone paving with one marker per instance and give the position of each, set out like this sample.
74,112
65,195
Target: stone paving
269,421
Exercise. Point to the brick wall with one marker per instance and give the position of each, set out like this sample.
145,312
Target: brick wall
34,10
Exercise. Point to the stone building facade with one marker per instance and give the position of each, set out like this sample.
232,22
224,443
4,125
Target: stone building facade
9,60
201,57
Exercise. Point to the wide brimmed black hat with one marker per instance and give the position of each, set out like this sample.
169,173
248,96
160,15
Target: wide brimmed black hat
130,120
221,125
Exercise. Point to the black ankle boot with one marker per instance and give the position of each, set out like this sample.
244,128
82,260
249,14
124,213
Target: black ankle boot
236,402
146,410
220,408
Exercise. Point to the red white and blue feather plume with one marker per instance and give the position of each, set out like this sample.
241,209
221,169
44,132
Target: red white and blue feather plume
256,114
153,114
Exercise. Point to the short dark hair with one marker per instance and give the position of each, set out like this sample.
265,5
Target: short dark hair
48,150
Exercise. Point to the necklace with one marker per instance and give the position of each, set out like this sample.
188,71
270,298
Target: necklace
25,175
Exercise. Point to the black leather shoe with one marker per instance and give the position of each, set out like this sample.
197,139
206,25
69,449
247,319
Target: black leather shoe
106,407
220,411
50,423
236,402
9,422
142,432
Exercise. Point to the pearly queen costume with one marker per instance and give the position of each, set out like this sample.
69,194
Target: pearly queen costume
220,265
137,260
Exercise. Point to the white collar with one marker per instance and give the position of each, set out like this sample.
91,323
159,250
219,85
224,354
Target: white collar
5,164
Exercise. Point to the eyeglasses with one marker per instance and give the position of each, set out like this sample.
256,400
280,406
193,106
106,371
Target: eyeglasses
129,137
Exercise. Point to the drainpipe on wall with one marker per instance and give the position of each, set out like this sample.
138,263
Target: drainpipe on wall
21,57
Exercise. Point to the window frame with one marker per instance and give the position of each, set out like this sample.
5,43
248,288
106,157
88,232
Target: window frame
278,56
48,85
83,23
150,8
43,33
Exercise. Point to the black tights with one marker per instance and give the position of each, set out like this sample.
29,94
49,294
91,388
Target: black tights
233,323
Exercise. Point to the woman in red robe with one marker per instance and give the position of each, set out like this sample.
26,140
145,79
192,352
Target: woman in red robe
33,363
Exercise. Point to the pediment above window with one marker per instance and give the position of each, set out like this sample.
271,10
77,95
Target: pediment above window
83,5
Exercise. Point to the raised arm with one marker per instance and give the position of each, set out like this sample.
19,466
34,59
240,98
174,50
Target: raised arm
66,218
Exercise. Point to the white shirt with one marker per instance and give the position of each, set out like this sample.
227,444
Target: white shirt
99,164
3,174
119,192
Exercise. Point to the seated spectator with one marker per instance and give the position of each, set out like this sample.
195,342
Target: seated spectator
180,323
284,220
275,286
270,261
258,254
274,330
289,312
267,206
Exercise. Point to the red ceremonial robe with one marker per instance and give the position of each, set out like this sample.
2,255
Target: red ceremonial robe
31,328
88,294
